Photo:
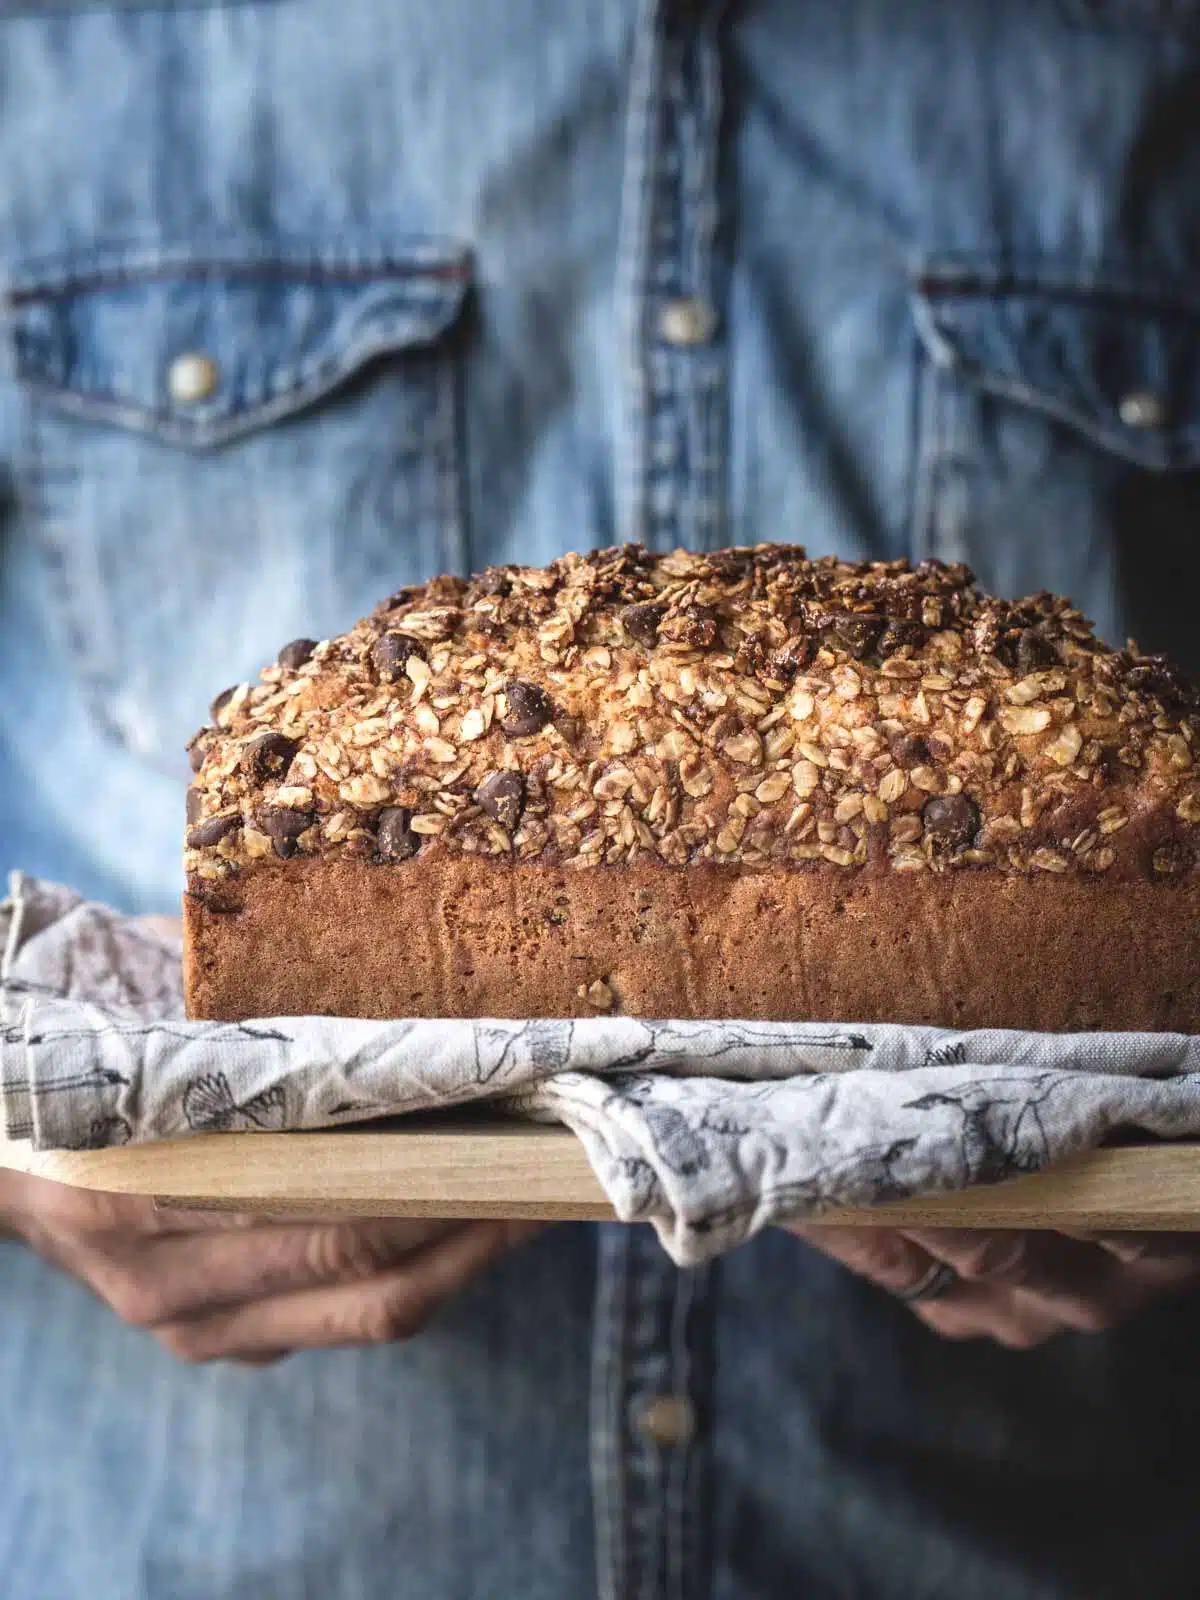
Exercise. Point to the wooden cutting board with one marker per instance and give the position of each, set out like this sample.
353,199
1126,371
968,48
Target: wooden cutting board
467,1165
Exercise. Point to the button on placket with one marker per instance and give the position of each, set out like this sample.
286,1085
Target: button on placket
667,1420
1142,409
672,478
192,377
653,1356
652,1378
652,1361
686,321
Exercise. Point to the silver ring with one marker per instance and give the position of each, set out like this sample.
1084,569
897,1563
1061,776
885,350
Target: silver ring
932,1285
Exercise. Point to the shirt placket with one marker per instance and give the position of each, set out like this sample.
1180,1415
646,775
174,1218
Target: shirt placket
651,1421
673,453
652,1362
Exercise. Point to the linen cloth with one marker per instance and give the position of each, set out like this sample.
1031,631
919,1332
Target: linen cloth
708,1130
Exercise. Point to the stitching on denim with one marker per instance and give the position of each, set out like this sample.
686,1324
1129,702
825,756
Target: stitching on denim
305,383
688,1575
46,479
139,261
36,473
675,1488
941,419
606,1454
1161,452
1158,454
1153,453
709,372
927,452
68,8
638,188
32,474
448,464
951,277
670,415
685,408
208,271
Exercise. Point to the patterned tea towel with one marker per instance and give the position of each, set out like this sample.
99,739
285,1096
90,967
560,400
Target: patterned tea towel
709,1130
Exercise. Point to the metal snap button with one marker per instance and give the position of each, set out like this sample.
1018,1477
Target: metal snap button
1141,409
687,321
192,377
667,1420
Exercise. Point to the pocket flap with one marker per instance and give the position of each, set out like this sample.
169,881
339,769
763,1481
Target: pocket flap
199,350
1122,367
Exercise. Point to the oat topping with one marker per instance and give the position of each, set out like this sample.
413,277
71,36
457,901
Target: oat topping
746,707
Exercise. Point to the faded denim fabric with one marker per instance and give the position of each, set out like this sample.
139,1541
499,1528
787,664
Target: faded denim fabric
480,283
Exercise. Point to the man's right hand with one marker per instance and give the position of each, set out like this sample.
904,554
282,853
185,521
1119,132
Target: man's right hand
215,1286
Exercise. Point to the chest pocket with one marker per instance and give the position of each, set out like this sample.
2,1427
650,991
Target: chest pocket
223,454
1060,445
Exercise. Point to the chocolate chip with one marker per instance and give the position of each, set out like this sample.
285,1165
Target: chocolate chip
502,796
391,652
494,581
732,563
792,657
194,804
267,755
529,709
751,657
213,830
694,626
641,622
394,838
197,748
284,826
1155,675
899,633
1033,650
294,655
855,635
909,749
222,700
950,820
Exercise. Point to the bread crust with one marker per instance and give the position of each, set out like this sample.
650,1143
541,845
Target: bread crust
731,784
448,936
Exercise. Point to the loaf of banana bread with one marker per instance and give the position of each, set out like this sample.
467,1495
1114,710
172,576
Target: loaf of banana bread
738,784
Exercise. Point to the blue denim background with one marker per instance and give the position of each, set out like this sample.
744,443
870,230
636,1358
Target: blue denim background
429,247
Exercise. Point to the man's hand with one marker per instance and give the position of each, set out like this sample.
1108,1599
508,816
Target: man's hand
213,1286
1017,1288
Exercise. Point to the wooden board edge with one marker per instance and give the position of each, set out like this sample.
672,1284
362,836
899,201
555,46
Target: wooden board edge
523,1171
506,1169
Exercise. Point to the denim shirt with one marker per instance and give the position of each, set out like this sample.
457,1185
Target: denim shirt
306,299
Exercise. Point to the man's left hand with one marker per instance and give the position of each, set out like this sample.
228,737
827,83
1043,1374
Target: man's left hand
1016,1288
